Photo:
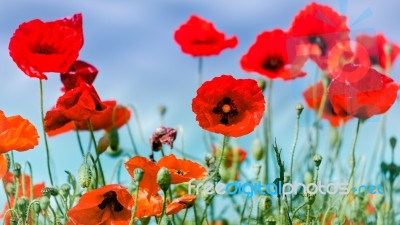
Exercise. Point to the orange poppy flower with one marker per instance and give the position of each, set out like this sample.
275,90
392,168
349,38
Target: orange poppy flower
36,190
147,205
149,181
3,166
182,170
16,133
229,106
183,202
108,205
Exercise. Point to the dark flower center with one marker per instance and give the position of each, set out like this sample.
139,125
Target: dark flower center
226,109
373,60
110,200
315,39
203,42
43,50
272,63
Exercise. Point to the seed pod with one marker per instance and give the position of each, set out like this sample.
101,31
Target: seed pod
64,190
36,207
103,144
22,204
47,191
138,174
114,139
164,179
44,203
317,160
84,175
257,149
17,169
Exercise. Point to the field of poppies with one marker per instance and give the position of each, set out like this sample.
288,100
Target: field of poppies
238,171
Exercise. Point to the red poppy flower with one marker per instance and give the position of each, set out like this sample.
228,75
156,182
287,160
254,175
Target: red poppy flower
181,203
313,97
36,191
162,135
182,170
229,106
77,104
322,26
147,205
376,45
346,52
3,165
16,133
79,72
38,47
373,94
274,60
108,205
198,37
149,181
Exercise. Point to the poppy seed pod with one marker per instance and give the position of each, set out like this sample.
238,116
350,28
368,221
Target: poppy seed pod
10,188
262,84
64,190
138,174
299,109
114,139
84,175
257,149
44,203
393,142
36,207
164,179
17,169
47,191
103,144
22,204
317,159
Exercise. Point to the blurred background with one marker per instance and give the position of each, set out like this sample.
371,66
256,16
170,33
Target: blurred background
131,43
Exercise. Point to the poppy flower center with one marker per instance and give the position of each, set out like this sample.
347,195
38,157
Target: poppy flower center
314,39
43,50
226,109
110,200
203,42
272,63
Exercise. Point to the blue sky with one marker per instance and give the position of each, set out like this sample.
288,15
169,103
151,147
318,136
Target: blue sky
131,43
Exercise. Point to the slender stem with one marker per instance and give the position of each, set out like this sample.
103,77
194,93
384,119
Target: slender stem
242,214
79,142
251,210
131,139
308,214
298,208
163,208
54,215
195,214
200,71
296,137
267,129
184,216
135,207
44,133
97,153
353,154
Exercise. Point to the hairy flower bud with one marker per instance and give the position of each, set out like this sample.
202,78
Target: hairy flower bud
84,175
36,207
393,142
317,159
257,149
103,143
22,204
17,169
10,188
114,139
262,84
164,179
44,203
299,109
138,174
64,190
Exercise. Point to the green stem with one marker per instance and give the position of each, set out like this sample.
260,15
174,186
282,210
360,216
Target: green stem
267,129
242,214
45,134
184,216
131,139
135,207
164,207
79,142
97,153
200,71
353,155
308,214
296,137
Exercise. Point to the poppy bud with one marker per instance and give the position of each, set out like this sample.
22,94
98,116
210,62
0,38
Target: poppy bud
308,178
44,203
138,174
10,189
47,191
103,144
317,160
393,142
299,108
145,220
257,149
17,169
13,220
84,175
164,179
22,204
262,84
286,177
64,190
36,207
114,139
265,203
210,162
309,199
162,109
